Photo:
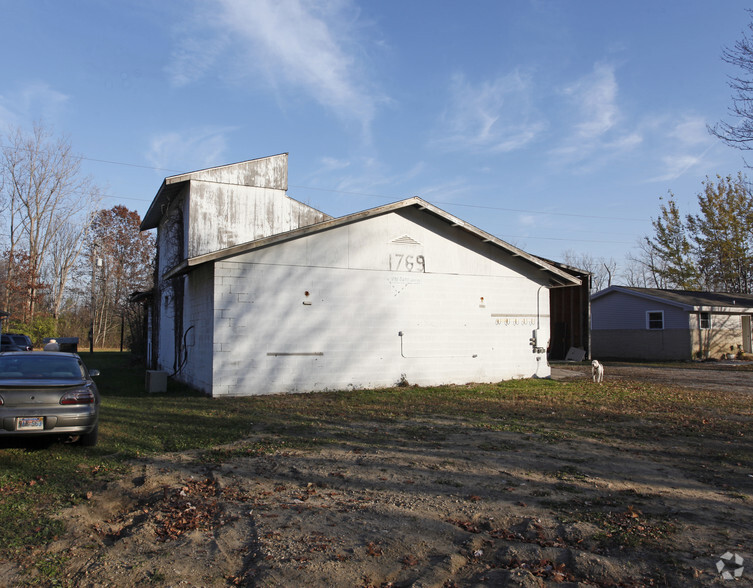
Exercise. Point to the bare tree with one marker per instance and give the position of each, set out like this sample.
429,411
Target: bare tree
44,190
644,270
602,269
65,250
740,55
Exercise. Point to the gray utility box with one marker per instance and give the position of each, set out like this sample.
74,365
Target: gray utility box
156,381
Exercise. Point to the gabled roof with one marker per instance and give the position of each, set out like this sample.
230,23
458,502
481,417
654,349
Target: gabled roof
688,300
555,275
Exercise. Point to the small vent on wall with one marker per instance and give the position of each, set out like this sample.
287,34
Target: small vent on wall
405,240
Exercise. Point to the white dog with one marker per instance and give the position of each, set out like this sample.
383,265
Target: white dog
597,371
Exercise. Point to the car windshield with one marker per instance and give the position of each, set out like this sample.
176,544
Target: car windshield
40,367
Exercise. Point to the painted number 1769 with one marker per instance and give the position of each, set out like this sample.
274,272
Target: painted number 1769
407,263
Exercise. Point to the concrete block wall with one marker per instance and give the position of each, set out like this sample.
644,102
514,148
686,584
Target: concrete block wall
198,329
325,312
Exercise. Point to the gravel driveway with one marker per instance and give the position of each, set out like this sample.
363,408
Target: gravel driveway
728,376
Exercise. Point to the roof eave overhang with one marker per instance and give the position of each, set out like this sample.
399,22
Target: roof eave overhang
724,309
162,200
555,277
644,295
714,309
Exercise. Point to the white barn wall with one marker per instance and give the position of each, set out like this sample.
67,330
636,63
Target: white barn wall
468,317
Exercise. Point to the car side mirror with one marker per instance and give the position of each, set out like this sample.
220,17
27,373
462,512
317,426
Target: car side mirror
93,373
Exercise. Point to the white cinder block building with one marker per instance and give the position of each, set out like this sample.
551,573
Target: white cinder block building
260,294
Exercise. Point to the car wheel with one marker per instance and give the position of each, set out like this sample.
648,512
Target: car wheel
89,439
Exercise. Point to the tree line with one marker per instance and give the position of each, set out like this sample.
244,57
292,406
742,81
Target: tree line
67,266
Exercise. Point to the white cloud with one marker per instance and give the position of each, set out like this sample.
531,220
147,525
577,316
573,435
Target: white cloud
296,44
685,144
333,164
36,100
595,96
690,131
496,115
372,176
194,148
597,135
528,220
676,165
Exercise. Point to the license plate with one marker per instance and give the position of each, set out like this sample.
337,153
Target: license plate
30,424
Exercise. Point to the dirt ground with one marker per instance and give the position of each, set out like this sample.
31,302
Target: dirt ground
429,503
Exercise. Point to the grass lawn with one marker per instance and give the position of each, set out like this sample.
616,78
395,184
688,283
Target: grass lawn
36,482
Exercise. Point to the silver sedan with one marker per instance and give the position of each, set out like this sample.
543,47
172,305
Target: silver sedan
45,393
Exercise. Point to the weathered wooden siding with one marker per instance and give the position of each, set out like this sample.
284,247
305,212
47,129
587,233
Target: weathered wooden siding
243,202
265,172
223,215
325,311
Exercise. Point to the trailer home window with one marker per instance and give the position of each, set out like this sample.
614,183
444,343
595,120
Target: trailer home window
705,320
655,319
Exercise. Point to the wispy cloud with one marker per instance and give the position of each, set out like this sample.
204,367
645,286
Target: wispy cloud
372,176
294,44
596,134
195,148
690,130
33,101
496,115
329,164
595,95
685,147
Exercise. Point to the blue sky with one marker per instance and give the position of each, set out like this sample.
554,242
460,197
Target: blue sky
554,125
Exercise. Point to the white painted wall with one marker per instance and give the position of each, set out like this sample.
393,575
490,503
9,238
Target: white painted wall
214,209
198,330
466,312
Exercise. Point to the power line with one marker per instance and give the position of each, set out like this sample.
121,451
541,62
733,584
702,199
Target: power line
129,164
381,196
486,207
568,239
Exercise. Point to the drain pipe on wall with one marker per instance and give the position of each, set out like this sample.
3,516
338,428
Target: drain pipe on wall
535,340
